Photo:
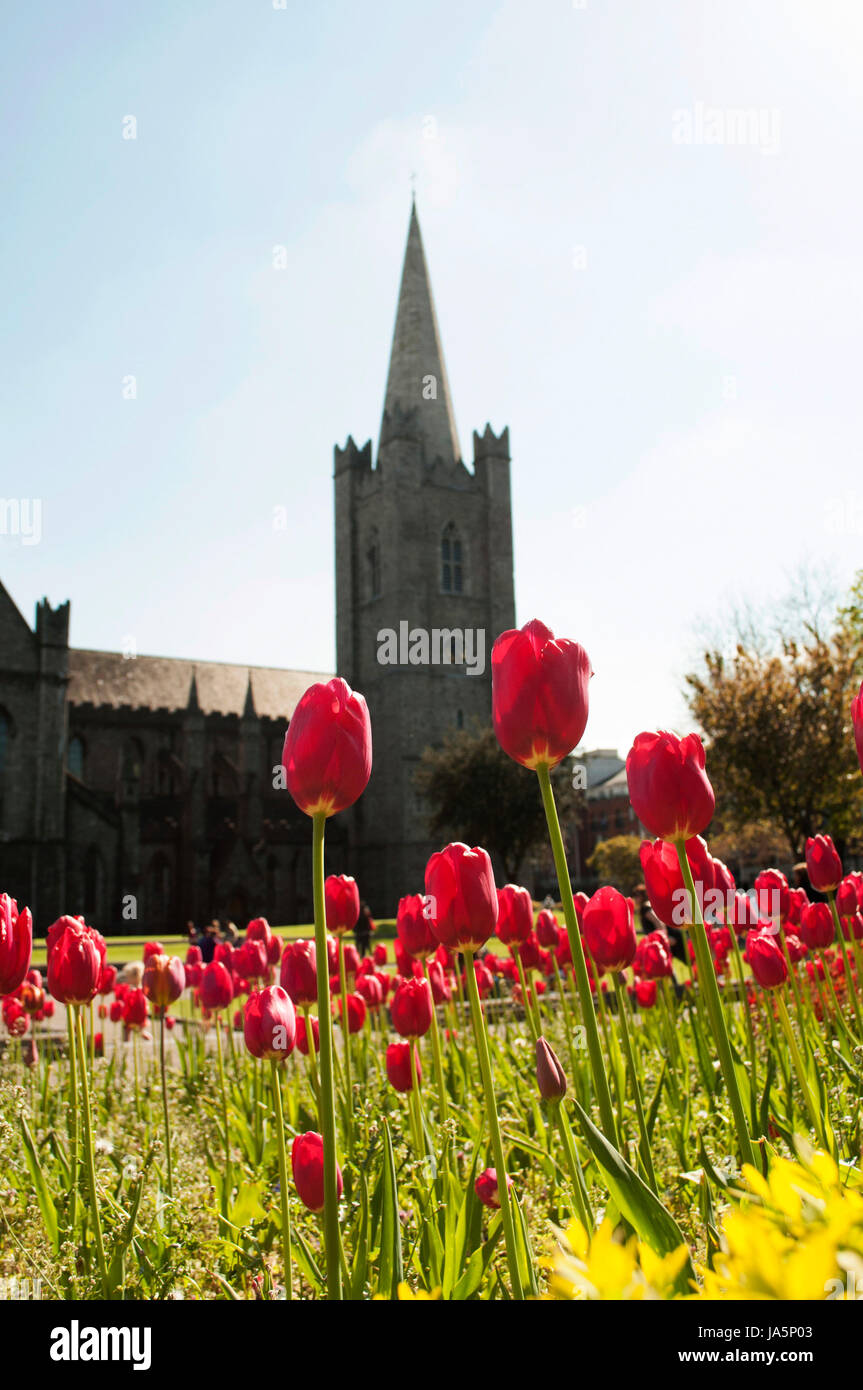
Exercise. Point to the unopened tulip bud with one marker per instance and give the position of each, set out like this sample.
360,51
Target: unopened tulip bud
550,1076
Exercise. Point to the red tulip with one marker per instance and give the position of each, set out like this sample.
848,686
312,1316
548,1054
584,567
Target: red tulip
135,1009
164,980
550,1076
299,974
269,1024
327,754
399,1065
823,863
462,896
609,930
107,979
342,903
115,1013
379,954
250,959
352,960
193,956
370,989
514,914
539,694
547,928
796,948
15,1016
75,962
653,957
441,991
302,1034
411,1008
484,978
414,926
816,926
153,948
668,786
664,881
259,930
486,1188
224,953
16,943
773,895
356,1012
645,993
217,988
307,1164
766,959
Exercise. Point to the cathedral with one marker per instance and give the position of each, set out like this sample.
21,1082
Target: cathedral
139,790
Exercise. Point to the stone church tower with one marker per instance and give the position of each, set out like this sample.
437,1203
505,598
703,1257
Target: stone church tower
424,585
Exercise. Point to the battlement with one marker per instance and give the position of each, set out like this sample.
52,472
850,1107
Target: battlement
351,456
491,445
52,624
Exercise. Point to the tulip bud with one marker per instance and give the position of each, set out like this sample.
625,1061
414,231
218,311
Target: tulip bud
816,926
327,755
539,694
399,1066
303,1034
514,914
164,979
823,864
668,786
550,1076
411,1008
217,989
462,896
299,974
341,902
75,961
486,1188
766,959
307,1165
414,927
609,930
269,1024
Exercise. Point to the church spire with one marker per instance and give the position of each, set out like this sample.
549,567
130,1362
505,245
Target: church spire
417,377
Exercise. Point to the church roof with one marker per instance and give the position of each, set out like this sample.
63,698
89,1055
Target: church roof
164,682
417,354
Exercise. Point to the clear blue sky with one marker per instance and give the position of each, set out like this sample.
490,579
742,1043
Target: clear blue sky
683,394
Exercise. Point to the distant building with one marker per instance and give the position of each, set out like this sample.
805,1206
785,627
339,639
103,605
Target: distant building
607,811
139,791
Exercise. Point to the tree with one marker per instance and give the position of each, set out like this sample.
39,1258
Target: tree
476,793
616,861
776,713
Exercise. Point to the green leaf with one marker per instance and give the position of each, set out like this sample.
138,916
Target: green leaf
641,1208
391,1272
40,1185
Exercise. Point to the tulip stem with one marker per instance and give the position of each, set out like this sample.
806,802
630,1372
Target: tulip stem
229,1183
413,1104
579,1186
707,981
73,1079
494,1126
438,1064
312,1055
594,1047
89,1152
799,1068
346,1035
840,937
165,1104
328,1097
646,1156
283,1180
533,1026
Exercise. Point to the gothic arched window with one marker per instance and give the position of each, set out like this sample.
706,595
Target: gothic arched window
373,557
75,757
451,561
